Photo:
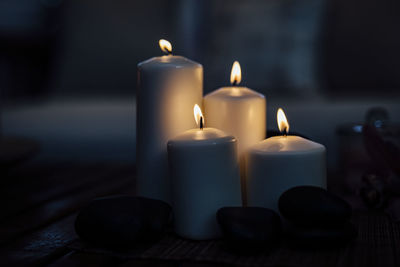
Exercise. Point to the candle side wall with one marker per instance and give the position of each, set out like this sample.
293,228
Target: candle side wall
166,97
268,176
204,179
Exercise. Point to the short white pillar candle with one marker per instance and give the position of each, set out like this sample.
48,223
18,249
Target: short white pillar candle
204,177
280,163
168,88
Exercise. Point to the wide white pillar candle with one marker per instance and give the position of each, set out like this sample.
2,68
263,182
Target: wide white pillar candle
280,163
238,111
168,88
205,177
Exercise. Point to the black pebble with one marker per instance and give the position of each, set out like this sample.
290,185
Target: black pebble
122,221
327,237
249,228
313,206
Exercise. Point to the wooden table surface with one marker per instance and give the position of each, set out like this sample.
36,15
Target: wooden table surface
40,202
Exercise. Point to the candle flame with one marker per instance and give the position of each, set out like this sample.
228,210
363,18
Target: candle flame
236,73
198,116
283,124
165,46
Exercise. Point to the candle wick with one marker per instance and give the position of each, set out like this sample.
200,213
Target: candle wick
201,123
235,83
285,132
167,52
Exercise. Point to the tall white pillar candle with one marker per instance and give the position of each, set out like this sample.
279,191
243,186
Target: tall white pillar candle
238,111
280,163
205,177
168,88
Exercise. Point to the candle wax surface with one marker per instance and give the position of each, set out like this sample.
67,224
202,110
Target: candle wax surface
168,61
201,137
235,92
287,145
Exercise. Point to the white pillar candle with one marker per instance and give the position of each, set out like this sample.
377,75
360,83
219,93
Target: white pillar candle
168,88
238,111
205,177
280,163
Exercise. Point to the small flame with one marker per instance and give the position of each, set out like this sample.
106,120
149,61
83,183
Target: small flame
283,124
198,116
236,73
165,46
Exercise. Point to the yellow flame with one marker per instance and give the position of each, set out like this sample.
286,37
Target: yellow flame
165,46
236,73
197,114
283,124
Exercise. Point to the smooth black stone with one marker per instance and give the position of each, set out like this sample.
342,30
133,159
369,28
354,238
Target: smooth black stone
249,228
313,206
326,237
122,221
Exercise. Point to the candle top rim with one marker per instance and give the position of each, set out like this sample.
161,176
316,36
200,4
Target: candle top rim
283,145
169,61
197,137
235,92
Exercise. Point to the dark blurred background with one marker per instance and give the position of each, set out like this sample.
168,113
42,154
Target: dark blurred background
68,68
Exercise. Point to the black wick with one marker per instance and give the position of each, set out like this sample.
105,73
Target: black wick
201,123
167,51
285,131
234,82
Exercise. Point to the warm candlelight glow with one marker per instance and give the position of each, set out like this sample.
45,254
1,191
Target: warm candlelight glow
236,73
198,116
283,124
165,46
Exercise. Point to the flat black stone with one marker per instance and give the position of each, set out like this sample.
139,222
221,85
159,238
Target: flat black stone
249,228
313,206
122,221
327,237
